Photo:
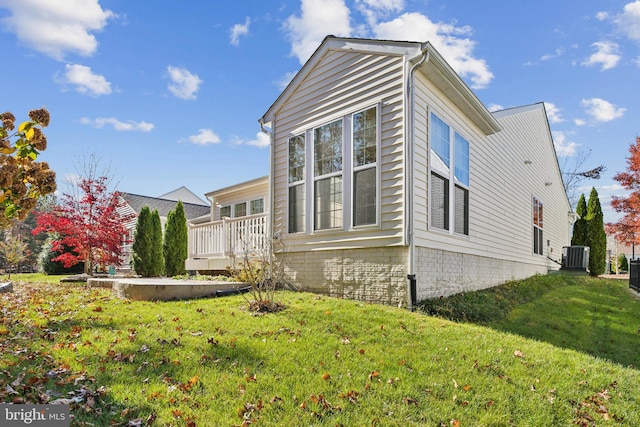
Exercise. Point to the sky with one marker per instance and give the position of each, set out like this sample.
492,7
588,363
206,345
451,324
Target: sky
168,94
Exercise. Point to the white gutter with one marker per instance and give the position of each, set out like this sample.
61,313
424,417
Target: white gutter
409,168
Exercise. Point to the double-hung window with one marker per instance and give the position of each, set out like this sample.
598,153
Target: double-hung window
240,209
296,183
538,246
225,211
449,163
365,141
327,172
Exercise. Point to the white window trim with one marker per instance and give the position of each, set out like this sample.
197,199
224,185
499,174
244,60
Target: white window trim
534,228
451,178
347,172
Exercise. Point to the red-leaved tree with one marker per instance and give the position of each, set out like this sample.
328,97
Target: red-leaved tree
627,228
89,223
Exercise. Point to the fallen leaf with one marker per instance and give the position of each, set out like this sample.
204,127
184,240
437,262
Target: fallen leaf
518,353
326,376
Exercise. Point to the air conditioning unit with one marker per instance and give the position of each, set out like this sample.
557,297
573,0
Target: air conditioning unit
575,258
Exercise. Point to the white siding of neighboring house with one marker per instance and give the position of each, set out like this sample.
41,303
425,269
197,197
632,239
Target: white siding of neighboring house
242,193
345,82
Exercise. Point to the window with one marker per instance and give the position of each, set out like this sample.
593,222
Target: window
225,211
538,246
365,159
327,171
447,179
296,183
256,206
333,174
239,209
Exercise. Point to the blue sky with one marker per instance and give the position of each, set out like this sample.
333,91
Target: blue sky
169,93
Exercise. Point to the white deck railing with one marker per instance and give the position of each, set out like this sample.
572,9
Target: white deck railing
228,237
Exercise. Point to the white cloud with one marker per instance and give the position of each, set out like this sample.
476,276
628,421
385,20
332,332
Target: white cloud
602,16
118,125
85,81
317,19
494,107
601,110
204,137
285,80
607,55
553,113
321,17
239,30
559,52
56,28
564,148
628,22
262,140
579,122
451,41
184,84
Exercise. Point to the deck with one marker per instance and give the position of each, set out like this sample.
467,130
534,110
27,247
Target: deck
217,245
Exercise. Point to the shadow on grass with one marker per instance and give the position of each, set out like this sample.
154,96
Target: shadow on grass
599,317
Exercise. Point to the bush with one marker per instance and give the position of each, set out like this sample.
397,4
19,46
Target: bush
175,246
49,266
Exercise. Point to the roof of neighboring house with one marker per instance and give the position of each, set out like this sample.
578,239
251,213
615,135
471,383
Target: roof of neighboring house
184,194
263,180
164,206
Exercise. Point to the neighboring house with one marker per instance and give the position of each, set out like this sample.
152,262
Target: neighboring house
235,226
394,183
133,204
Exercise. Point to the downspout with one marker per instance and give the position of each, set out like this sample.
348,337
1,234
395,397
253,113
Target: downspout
409,168
271,195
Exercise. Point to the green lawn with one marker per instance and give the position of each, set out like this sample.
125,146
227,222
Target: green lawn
322,361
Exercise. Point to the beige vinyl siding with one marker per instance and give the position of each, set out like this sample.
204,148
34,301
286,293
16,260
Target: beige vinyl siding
501,186
342,83
241,195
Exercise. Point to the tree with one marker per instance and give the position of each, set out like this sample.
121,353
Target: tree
22,179
596,236
626,228
574,173
88,222
12,250
623,264
157,259
141,248
175,242
579,237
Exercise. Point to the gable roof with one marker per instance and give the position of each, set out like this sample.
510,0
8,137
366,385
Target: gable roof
164,206
435,68
184,194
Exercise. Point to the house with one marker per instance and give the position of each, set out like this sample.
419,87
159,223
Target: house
394,183
132,204
235,226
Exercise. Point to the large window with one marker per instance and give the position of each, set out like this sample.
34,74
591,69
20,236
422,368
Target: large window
538,246
447,179
296,183
365,141
337,186
327,172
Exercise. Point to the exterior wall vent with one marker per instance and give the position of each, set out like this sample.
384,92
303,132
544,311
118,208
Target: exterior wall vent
575,258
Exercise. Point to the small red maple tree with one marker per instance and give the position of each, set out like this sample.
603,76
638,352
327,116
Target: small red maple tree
627,228
89,223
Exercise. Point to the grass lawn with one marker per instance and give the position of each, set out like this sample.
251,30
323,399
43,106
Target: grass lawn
321,362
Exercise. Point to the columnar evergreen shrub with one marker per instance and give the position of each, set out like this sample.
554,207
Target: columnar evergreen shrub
141,248
596,236
175,242
579,237
157,259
